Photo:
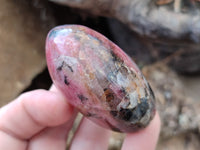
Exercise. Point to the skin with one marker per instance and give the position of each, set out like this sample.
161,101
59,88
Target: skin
41,120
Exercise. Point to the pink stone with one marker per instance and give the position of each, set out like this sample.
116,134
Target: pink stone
99,79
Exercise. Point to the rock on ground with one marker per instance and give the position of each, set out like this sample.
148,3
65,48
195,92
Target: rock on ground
22,37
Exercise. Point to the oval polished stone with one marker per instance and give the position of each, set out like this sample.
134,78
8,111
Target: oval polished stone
99,79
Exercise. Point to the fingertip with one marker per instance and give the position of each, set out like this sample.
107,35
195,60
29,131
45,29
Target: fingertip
144,139
46,107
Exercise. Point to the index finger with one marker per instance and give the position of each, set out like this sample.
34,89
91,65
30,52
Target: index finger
32,112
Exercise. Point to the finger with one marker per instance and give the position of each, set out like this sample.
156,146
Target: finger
90,136
52,138
54,89
8,142
144,139
32,112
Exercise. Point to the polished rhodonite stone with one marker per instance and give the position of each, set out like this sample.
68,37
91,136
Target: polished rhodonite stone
99,79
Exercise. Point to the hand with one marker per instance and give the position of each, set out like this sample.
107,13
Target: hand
41,120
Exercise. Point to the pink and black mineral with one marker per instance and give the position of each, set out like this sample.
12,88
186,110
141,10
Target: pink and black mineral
99,79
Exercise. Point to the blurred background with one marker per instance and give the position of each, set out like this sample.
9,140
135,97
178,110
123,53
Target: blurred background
162,37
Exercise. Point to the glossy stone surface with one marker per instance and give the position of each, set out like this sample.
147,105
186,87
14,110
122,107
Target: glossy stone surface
99,79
